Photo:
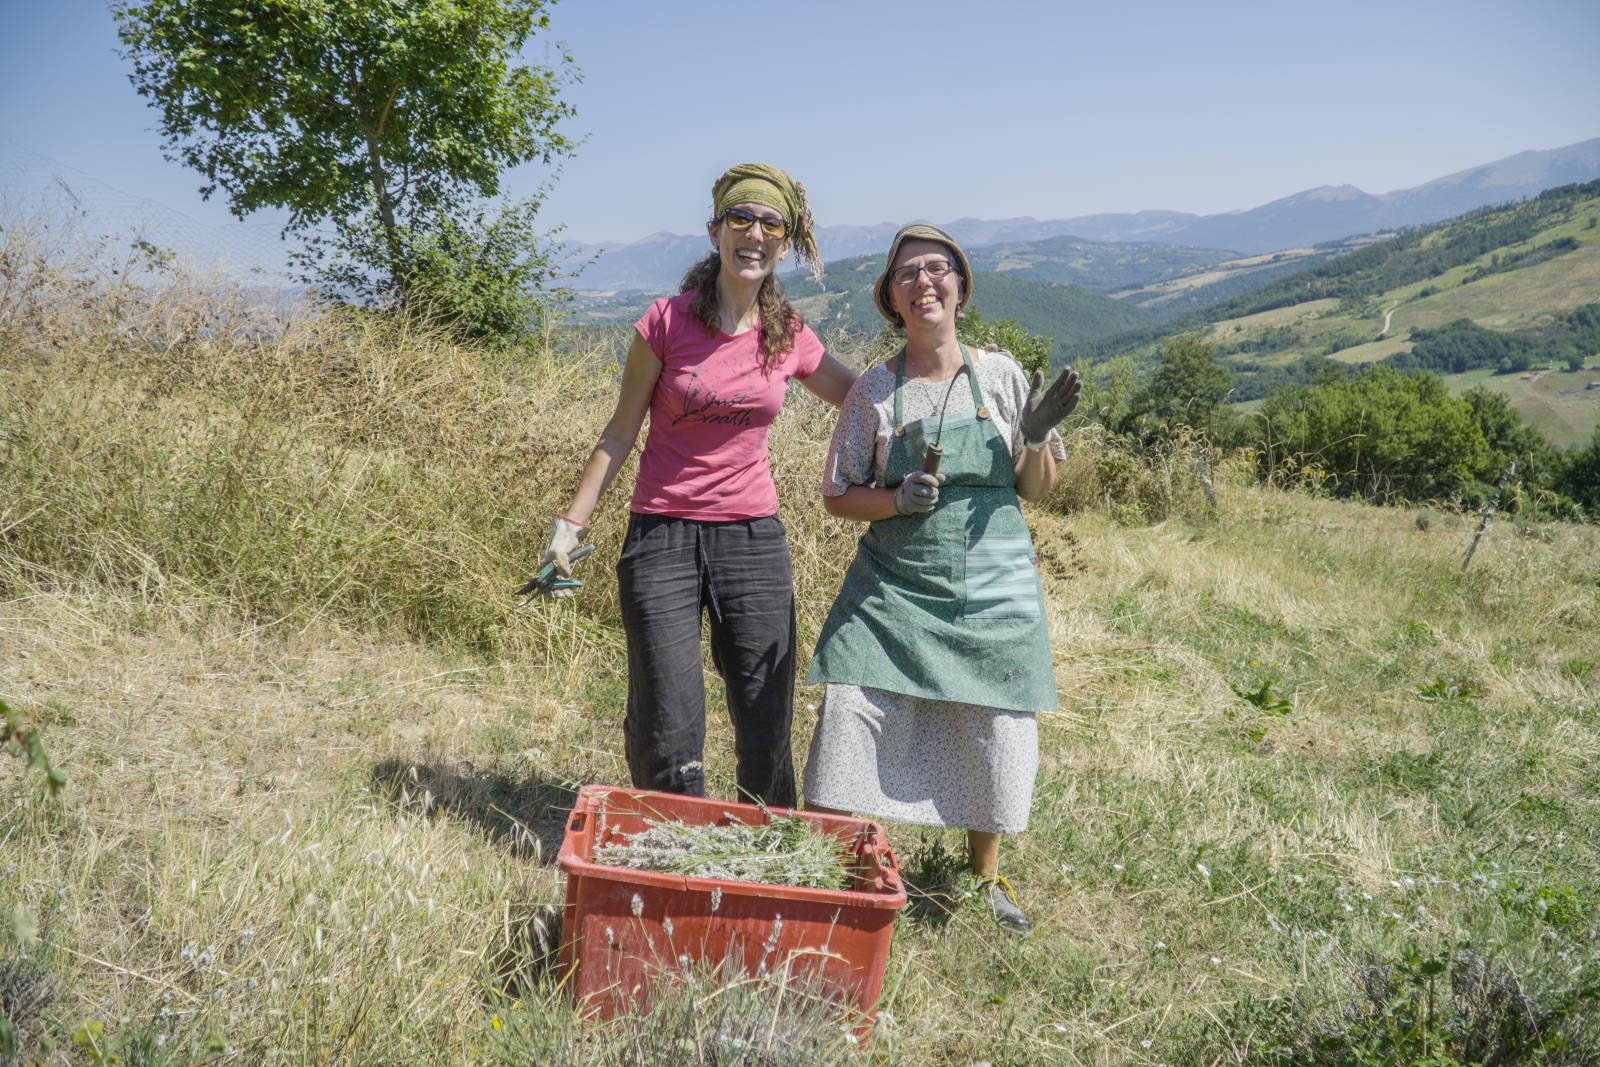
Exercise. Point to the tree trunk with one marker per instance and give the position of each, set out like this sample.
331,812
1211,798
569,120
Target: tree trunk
391,232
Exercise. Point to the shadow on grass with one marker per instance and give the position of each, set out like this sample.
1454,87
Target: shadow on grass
934,877
527,815
523,954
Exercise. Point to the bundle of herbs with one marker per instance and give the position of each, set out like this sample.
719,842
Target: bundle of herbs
785,851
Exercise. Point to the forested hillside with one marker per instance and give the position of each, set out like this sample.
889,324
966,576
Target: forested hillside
1413,256
1160,281
1483,299
1103,266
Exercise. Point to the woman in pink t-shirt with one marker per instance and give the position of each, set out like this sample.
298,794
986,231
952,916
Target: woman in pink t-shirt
711,366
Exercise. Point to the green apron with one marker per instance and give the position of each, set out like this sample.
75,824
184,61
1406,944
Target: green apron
945,605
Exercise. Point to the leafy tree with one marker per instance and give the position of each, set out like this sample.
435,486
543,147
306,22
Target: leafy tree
1463,345
1252,380
385,116
1187,388
1031,350
485,277
1507,437
1381,434
1584,324
1580,475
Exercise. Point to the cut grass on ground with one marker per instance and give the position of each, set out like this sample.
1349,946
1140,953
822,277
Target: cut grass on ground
318,761
249,796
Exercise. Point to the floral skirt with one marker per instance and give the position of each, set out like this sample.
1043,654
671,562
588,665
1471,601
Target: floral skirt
932,762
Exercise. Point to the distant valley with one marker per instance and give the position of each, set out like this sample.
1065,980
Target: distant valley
1315,216
1507,297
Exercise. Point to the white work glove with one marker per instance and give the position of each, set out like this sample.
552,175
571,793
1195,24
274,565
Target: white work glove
917,495
565,536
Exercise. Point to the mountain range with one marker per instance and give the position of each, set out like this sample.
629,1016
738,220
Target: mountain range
1326,213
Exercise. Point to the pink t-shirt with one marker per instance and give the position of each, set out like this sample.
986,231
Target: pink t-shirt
706,454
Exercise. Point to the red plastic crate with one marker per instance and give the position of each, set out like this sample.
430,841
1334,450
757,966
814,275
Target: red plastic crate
623,928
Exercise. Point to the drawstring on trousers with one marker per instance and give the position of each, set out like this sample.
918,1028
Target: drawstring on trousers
703,570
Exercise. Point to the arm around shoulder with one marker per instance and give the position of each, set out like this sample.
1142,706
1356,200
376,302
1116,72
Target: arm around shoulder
831,381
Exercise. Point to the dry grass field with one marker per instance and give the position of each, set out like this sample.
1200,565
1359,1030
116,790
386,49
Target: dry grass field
1516,300
1559,402
1372,351
1313,794
1249,325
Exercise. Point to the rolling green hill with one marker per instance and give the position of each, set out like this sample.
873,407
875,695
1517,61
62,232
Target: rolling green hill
1195,290
1168,280
1521,270
1103,266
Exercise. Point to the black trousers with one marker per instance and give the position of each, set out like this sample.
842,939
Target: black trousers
671,572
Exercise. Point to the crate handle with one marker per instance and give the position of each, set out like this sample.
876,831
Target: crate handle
578,819
878,850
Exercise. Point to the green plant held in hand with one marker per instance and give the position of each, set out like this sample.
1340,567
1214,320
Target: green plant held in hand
782,852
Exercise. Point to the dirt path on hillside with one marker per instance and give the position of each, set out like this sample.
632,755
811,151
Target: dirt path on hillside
1387,315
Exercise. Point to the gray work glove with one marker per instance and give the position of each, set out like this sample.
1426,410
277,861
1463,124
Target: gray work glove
565,536
1045,408
917,495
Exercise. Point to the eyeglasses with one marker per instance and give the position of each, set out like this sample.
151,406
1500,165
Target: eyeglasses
936,270
740,220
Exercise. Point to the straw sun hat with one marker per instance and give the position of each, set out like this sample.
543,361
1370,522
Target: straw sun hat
920,231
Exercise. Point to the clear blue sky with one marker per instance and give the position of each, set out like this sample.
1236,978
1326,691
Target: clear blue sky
892,111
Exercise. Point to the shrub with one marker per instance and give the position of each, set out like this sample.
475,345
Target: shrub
1030,350
1381,435
1136,484
485,276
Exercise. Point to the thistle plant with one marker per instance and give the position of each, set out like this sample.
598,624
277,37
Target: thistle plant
785,851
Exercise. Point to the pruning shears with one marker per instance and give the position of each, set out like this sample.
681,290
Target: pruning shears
549,580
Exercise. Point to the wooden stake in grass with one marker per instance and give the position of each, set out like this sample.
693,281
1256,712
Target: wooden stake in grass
1488,512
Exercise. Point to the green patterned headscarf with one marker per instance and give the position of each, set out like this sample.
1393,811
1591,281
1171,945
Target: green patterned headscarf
761,183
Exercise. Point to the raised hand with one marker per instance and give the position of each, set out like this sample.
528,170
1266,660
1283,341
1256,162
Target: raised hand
1045,408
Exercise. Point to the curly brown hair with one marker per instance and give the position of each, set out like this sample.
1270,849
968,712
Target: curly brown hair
779,321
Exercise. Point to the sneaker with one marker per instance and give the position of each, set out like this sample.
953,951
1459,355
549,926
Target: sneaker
1002,901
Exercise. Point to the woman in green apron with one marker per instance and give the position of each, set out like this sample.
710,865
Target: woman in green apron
936,652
